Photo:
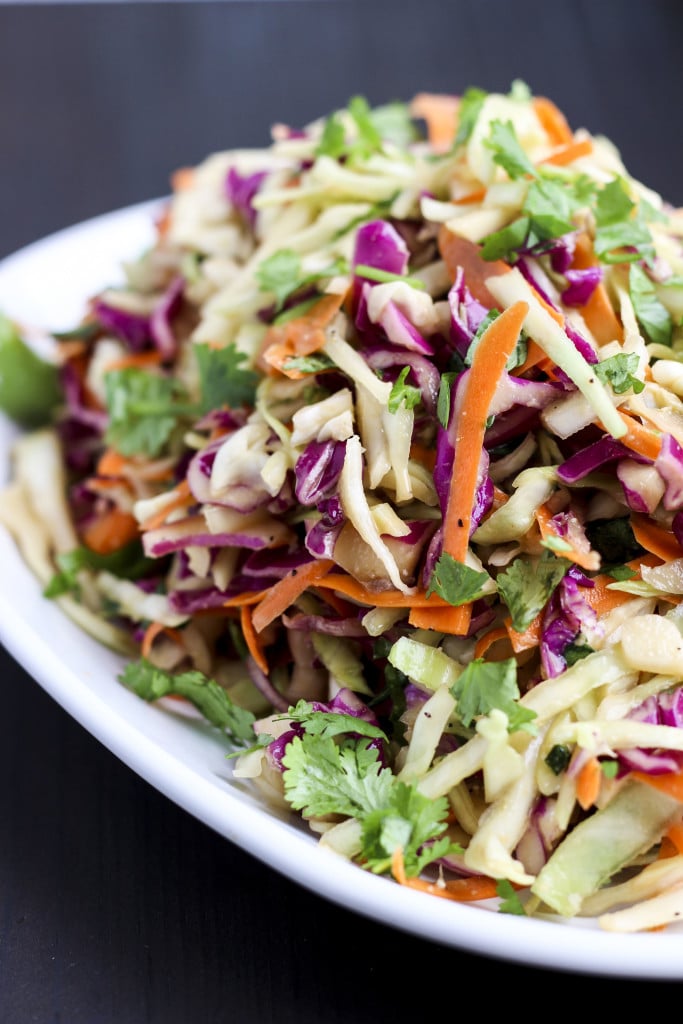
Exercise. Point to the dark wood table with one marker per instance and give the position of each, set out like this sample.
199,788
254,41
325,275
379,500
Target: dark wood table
116,906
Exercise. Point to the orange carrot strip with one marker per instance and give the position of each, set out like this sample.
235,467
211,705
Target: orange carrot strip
488,363
251,638
110,531
568,153
598,313
488,639
655,539
586,559
182,179
248,597
459,252
153,631
471,197
553,121
183,498
462,890
278,599
639,438
111,463
442,618
299,337
675,836
354,590
440,112
530,637
670,783
588,783
140,360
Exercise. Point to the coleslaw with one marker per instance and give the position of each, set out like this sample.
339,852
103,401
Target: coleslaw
375,460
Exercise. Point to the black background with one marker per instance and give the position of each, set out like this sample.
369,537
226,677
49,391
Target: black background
115,906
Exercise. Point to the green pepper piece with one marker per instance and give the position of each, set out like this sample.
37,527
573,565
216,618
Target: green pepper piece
29,386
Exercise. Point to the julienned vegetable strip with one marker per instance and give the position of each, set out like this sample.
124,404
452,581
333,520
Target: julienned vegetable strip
400,520
287,590
490,356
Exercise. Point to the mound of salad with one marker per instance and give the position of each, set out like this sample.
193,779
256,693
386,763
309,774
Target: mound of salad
375,461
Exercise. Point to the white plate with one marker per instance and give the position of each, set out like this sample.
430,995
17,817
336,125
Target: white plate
46,285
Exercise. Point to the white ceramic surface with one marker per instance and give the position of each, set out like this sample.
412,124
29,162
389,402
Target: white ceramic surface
46,285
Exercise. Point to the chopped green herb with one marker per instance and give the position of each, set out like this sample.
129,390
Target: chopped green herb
224,379
443,404
210,699
558,758
281,274
403,394
471,103
622,236
574,652
651,313
488,685
144,409
507,151
526,586
620,372
456,582
510,899
128,562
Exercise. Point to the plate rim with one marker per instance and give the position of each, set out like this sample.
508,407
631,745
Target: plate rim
281,845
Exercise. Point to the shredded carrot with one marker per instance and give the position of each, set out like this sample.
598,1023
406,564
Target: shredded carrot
488,363
553,121
182,179
440,113
154,630
639,438
568,153
670,783
181,499
655,538
675,836
248,597
587,559
472,197
110,531
588,783
462,890
354,590
140,360
598,313
487,641
458,252
111,463
251,638
530,637
425,456
280,596
298,337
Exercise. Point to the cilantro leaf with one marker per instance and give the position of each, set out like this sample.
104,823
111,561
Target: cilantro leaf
651,314
331,723
395,124
308,364
471,103
505,244
526,586
333,139
369,139
507,151
403,394
574,652
443,403
281,274
509,897
210,699
409,820
223,379
619,371
324,777
550,205
144,409
128,562
558,758
485,685
621,235
455,582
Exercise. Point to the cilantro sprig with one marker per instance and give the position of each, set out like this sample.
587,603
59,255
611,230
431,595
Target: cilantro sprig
488,685
281,274
526,586
144,410
455,582
210,699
